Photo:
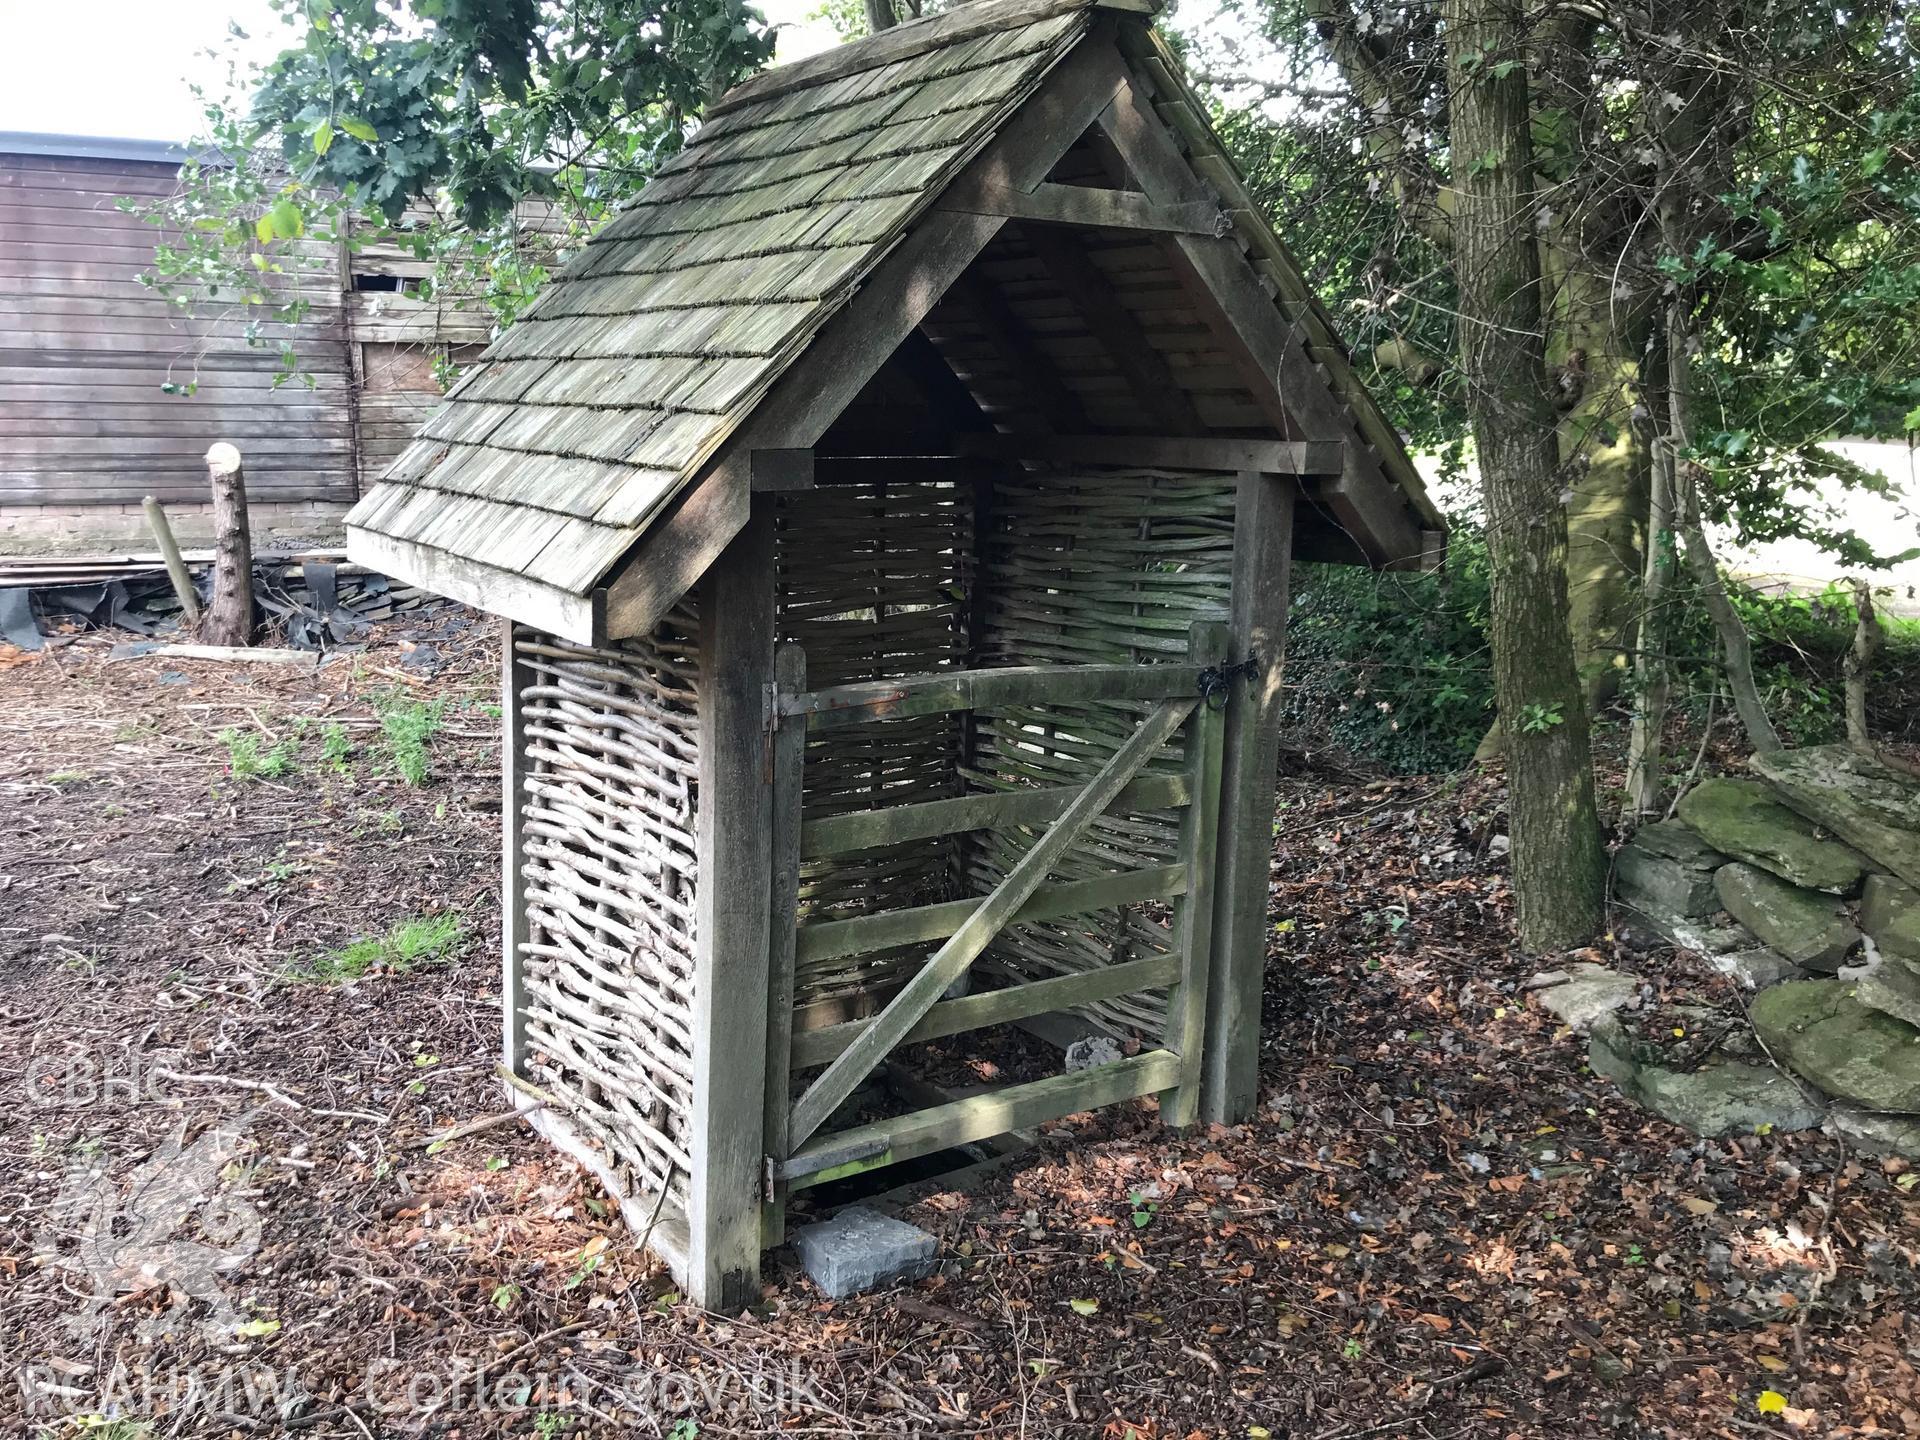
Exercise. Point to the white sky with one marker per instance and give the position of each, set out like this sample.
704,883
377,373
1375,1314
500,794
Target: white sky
120,68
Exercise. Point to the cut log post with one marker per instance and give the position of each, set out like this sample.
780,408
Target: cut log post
170,553
230,616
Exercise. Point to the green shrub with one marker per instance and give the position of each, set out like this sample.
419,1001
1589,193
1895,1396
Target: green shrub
1392,668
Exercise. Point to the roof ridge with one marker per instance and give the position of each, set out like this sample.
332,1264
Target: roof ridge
964,21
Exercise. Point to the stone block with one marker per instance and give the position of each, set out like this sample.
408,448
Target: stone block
1678,840
1648,880
1809,929
1722,1097
1890,913
1892,987
1876,1134
1756,968
1744,819
860,1248
1580,996
1853,1052
1873,808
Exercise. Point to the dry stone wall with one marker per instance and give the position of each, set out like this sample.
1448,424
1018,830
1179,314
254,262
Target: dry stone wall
1803,885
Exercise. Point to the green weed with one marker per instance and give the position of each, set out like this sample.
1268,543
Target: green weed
67,777
249,758
408,726
336,750
412,943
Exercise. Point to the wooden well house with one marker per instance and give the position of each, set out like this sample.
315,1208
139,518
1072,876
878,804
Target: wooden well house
892,512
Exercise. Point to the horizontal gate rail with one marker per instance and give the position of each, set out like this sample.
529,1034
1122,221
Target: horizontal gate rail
998,1007
843,705
866,829
977,1117
864,934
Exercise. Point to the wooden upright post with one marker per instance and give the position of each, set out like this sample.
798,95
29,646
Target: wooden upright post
230,617
732,905
789,756
515,676
176,567
1262,557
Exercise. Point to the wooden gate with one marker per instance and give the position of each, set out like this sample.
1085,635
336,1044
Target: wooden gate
800,1152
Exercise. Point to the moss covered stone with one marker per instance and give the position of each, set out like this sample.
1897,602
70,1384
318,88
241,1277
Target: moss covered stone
1866,804
1825,1035
1742,818
1808,928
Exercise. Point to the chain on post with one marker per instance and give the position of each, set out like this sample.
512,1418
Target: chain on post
1216,681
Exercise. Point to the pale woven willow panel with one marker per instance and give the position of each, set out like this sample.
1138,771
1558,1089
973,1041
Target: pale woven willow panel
871,585
610,766
1109,567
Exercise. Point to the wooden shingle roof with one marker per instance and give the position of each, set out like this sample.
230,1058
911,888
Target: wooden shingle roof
551,456
590,465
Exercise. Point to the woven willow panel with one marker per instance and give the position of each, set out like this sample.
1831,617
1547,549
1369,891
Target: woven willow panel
1110,567
608,866
871,585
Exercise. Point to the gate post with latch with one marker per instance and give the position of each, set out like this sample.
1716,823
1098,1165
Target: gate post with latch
788,759
1262,557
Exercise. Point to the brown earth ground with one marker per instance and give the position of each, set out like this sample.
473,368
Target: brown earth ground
1438,1224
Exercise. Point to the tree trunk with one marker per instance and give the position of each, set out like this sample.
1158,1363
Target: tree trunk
1596,340
880,16
1652,677
230,617
1559,863
1859,665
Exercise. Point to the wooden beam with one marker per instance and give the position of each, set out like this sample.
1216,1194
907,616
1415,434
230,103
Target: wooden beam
779,472
885,929
951,960
995,810
1091,207
947,394
789,754
1038,382
1115,329
980,1117
855,343
864,701
1000,1007
500,592
1262,557
732,905
515,676
1235,305
1177,452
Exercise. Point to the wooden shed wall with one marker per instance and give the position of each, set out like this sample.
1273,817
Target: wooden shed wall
85,348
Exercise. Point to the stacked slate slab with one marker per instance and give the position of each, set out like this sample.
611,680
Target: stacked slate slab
1804,884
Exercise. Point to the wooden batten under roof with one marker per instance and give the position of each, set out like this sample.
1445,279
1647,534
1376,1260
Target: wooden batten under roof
951,180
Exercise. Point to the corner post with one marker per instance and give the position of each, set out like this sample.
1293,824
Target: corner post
731,908
1262,558
515,676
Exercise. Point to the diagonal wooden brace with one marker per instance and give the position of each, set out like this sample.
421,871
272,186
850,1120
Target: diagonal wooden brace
963,947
